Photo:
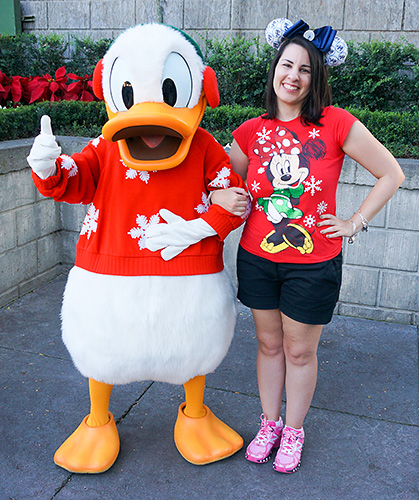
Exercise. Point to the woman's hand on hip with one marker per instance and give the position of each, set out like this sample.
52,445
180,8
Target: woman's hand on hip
333,227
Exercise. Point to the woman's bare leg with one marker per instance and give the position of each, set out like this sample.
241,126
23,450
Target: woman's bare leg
270,361
300,348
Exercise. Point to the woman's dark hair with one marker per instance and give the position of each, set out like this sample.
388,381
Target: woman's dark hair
319,95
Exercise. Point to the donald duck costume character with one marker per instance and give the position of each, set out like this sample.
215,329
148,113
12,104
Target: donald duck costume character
148,298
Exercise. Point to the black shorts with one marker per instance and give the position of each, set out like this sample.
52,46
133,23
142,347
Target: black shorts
307,293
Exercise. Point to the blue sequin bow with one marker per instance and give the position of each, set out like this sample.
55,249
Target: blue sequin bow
325,39
322,38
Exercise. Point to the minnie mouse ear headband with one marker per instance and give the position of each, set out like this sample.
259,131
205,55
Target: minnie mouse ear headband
325,39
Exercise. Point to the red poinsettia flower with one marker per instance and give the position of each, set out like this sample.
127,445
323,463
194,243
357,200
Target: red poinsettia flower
81,89
4,88
47,88
26,90
18,88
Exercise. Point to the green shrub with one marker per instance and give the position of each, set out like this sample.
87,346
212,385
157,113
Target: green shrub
85,54
28,54
51,51
16,54
241,67
223,120
67,117
398,131
377,75
377,78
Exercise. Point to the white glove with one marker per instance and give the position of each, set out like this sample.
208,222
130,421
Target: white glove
177,235
45,151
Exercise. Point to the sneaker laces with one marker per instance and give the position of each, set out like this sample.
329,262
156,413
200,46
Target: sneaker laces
265,431
289,441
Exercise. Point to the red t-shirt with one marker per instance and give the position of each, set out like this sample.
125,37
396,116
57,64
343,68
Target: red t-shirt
292,176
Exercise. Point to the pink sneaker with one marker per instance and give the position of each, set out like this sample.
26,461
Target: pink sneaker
288,458
268,437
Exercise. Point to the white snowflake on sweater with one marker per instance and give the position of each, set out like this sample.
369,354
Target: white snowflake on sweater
312,185
261,170
263,136
142,224
131,173
95,142
321,207
255,186
90,221
204,206
222,180
69,164
309,220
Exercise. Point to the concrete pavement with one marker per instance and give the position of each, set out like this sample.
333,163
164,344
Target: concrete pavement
362,429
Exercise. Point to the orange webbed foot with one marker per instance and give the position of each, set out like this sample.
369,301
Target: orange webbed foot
89,450
206,439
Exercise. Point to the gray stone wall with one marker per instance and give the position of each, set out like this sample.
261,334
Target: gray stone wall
30,240
359,20
381,269
381,278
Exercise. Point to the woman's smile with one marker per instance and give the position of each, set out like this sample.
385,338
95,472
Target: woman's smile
288,86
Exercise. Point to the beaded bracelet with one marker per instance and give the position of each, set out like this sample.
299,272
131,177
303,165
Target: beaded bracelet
364,223
352,237
363,220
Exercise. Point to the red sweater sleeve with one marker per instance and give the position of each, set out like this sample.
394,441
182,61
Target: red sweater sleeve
76,178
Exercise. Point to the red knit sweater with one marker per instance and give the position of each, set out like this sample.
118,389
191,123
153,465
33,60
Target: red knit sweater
124,202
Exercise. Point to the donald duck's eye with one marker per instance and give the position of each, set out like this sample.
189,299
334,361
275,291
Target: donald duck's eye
122,92
176,81
127,94
169,92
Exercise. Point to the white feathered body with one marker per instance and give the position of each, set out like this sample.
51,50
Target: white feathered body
121,329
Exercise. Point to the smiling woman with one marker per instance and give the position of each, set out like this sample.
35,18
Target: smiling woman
289,262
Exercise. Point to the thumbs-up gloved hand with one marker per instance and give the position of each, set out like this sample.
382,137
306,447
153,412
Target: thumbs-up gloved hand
45,151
